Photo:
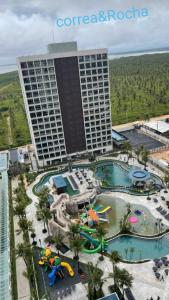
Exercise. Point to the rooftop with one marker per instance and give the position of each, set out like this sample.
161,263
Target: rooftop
3,161
160,126
110,297
117,136
59,182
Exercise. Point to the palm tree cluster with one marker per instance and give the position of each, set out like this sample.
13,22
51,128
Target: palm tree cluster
122,278
43,211
24,249
95,281
127,148
142,155
75,241
125,225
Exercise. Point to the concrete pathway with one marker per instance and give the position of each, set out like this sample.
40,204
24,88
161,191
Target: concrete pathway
22,282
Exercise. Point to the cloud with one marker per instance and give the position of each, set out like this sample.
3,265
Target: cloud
26,27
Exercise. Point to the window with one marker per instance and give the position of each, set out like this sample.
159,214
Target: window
50,62
87,58
104,56
36,63
25,73
31,72
29,95
81,58
43,63
26,80
30,64
23,65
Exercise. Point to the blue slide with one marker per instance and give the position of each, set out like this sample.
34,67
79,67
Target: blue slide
90,238
52,275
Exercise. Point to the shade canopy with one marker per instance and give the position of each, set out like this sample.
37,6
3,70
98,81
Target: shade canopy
59,182
139,175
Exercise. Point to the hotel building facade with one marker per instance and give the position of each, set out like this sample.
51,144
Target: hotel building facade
67,99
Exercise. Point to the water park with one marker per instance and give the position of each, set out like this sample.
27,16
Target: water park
123,199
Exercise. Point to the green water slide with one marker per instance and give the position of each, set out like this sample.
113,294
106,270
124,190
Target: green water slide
94,242
88,229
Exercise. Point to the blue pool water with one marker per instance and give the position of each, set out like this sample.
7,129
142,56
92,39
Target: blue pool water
114,174
135,248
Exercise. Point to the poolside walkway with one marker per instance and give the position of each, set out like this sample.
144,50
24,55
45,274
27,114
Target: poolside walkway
22,282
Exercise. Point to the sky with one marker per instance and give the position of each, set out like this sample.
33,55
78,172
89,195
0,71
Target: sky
27,26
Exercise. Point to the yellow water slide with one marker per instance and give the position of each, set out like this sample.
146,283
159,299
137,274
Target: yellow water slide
105,210
68,267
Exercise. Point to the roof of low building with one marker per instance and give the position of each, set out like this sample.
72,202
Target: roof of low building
160,126
110,297
59,182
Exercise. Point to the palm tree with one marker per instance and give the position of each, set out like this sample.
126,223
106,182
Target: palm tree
19,210
25,226
74,230
166,179
23,251
128,206
122,278
145,157
101,232
58,238
76,245
43,198
95,281
127,149
139,152
115,258
45,216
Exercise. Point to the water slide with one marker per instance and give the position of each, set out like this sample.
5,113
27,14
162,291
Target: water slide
105,210
93,241
93,215
88,229
97,207
68,267
103,220
52,275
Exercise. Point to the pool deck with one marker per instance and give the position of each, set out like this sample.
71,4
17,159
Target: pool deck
145,283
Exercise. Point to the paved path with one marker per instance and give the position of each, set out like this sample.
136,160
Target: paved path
22,282
126,125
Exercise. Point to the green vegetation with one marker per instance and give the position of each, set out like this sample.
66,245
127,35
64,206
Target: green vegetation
139,87
139,90
25,249
13,123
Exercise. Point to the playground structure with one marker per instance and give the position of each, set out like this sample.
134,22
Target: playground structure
54,263
95,215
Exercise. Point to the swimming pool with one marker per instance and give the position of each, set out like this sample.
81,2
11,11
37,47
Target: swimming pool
146,224
133,248
116,175
40,185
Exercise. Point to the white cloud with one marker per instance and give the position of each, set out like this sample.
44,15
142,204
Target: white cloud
27,26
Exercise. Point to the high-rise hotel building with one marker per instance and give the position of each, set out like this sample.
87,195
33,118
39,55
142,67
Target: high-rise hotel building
67,100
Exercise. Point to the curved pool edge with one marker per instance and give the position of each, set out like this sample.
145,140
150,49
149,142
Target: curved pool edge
121,189
136,237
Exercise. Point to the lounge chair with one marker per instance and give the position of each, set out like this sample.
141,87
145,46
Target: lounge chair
166,272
